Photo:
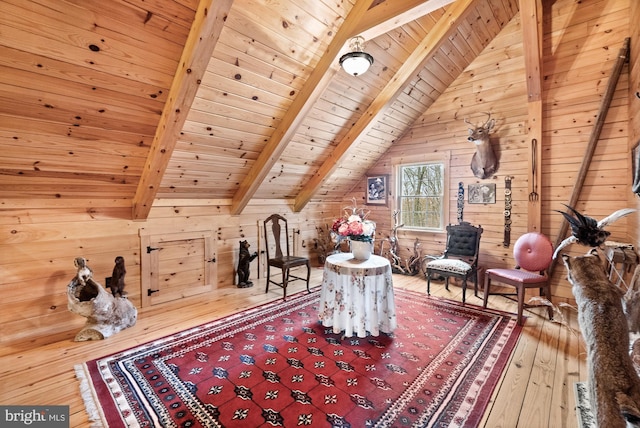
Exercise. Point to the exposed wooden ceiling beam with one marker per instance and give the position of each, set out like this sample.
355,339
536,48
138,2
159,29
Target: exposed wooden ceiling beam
531,19
313,88
443,29
203,36
388,15
364,20
393,14
531,14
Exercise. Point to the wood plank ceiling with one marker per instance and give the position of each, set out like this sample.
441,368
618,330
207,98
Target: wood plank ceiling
121,102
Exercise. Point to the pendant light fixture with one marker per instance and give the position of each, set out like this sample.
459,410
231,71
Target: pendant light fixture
357,61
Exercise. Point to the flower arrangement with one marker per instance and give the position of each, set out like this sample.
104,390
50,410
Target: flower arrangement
354,225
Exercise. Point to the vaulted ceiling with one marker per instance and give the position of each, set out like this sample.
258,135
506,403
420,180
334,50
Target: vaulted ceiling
122,102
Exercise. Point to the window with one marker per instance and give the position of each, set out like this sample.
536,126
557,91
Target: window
422,194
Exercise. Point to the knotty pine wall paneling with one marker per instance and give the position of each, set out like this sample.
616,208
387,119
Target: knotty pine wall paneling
580,47
493,83
633,234
39,246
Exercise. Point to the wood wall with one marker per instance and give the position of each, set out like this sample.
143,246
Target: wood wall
633,234
39,246
581,43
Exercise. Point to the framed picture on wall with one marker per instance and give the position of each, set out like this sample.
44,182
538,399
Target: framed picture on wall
377,189
481,193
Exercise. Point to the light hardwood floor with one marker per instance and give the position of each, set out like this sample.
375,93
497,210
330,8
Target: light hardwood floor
536,390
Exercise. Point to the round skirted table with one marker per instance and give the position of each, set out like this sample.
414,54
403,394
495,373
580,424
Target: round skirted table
357,296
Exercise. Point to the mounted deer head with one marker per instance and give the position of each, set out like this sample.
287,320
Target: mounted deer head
484,162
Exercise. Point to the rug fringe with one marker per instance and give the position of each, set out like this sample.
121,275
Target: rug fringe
89,398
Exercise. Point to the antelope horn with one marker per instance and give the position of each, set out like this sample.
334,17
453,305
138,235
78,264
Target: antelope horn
615,216
567,241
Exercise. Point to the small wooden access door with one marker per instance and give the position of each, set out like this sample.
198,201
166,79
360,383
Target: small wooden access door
177,265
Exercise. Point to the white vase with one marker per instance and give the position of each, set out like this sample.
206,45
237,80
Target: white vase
361,250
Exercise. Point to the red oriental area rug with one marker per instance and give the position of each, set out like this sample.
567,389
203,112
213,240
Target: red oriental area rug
276,365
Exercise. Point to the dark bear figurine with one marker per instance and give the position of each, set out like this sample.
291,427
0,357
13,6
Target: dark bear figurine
116,284
243,265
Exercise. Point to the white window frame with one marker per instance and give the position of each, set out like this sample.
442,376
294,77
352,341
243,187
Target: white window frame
428,158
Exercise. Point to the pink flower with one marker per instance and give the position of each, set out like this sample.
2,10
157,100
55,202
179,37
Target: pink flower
355,225
343,229
355,228
336,224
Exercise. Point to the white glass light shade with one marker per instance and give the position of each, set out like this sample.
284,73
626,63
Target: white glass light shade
356,63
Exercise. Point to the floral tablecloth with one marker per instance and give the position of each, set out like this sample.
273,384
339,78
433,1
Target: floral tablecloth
357,296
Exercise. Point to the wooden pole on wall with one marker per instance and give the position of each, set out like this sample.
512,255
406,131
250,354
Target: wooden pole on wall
531,13
623,56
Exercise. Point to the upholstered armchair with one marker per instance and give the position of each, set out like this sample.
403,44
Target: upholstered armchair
533,253
460,258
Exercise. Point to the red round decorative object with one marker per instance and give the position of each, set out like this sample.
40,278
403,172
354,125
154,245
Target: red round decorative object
533,251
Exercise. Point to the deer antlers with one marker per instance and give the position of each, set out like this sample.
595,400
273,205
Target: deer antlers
484,162
484,125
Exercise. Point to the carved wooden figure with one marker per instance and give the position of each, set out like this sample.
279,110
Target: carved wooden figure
394,258
484,162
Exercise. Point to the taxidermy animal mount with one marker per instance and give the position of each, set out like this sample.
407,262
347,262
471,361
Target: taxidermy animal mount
105,314
484,162
613,383
116,283
588,231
